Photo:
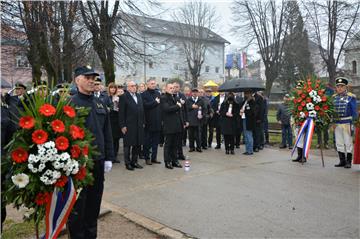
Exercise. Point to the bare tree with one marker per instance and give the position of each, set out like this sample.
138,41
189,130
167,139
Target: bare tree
195,20
263,23
331,24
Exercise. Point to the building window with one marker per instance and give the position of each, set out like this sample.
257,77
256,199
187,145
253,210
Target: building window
207,68
354,67
151,64
164,79
217,69
22,61
176,66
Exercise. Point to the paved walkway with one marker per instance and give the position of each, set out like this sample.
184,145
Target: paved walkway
237,196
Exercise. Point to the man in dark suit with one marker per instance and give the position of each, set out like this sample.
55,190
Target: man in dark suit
173,126
131,112
180,97
151,100
215,120
99,93
205,120
259,117
239,99
195,111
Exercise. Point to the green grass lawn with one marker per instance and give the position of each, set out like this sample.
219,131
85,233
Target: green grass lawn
19,230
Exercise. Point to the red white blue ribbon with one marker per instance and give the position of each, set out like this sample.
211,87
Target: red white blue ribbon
59,209
306,130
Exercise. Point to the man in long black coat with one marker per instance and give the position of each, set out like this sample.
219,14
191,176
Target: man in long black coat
131,118
180,97
151,100
173,126
215,120
259,117
195,112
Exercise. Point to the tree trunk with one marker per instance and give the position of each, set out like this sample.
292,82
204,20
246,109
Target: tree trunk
36,73
270,77
194,81
331,70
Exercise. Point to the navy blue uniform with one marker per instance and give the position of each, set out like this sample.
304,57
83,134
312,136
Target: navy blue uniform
82,222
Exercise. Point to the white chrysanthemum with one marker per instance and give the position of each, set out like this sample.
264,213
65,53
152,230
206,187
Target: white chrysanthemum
30,166
302,115
34,170
310,106
41,167
48,172
31,158
47,145
56,165
65,156
313,93
318,99
20,180
56,175
312,114
41,151
75,168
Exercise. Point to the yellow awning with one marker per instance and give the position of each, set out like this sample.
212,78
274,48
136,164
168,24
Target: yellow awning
211,83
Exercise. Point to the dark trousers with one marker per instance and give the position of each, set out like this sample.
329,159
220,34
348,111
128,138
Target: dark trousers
152,139
229,142
179,145
194,136
162,138
184,136
116,142
266,130
170,147
203,134
286,132
134,154
82,222
211,135
324,133
238,137
258,135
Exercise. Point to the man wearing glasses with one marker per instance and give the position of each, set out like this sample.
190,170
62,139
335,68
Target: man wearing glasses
131,118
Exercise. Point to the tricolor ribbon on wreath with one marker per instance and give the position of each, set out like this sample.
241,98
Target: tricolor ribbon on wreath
58,209
306,130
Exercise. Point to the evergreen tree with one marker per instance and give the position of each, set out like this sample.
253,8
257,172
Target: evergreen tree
296,59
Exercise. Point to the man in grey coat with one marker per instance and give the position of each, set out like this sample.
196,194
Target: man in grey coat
283,117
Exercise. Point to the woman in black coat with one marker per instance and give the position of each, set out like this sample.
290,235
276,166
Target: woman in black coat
229,113
113,103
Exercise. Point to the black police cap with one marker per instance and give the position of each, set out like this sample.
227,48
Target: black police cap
62,86
194,90
85,70
341,81
98,79
20,85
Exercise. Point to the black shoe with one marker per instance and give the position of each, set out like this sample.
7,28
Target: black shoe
282,147
191,150
116,161
181,157
168,165
204,147
227,152
237,146
302,160
261,147
247,153
176,164
298,158
136,165
218,147
348,161
232,152
148,162
209,146
129,167
161,145
342,160
290,147
155,161
199,150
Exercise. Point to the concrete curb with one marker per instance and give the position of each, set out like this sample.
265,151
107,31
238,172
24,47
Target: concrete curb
156,227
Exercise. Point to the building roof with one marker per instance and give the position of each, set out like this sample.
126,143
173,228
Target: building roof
169,28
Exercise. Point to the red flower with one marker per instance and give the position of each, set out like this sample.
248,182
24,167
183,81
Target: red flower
27,122
61,182
317,86
69,111
19,155
47,110
85,151
324,98
325,107
58,126
81,174
317,108
303,96
76,132
61,143
299,92
42,198
299,100
309,89
321,92
300,108
75,151
308,100
322,113
39,136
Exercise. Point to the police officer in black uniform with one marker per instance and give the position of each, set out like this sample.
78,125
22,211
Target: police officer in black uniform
82,222
99,93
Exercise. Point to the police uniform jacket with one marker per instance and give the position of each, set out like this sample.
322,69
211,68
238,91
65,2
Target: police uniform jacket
104,98
98,123
345,108
192,114
229,125
152,110
132,117
171,115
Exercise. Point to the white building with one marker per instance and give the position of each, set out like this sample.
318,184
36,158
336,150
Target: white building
163,57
